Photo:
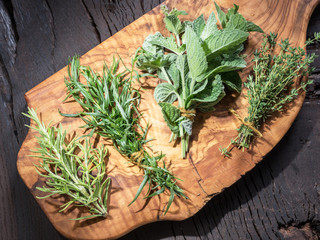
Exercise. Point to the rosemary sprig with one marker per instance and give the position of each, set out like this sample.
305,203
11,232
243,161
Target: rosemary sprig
272,85
109,105
81,177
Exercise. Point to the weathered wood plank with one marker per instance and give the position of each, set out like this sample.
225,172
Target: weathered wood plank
227,216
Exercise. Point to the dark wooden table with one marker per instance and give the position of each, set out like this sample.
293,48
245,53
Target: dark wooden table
279,198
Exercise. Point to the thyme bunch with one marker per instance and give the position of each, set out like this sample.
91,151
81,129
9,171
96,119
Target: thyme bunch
109,104
81,177
273,84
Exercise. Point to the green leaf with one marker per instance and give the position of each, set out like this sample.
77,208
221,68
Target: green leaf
173,24
187,126
169,43
170,114
251,27
198,25
223,41
237,21
221,15
210,27
148,46
195,55
232,80
165,92
182,65
232,11
209,94
230,64
175,75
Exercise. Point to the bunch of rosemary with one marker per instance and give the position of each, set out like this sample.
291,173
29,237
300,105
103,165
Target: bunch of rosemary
80,176
109,105
195,62
273,84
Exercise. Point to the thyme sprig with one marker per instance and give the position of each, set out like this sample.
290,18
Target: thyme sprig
109,104
273,84
81,177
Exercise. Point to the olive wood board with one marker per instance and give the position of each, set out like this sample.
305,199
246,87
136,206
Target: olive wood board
205,173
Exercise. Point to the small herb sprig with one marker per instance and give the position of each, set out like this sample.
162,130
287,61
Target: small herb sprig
109,105
273,85
195,62
81,177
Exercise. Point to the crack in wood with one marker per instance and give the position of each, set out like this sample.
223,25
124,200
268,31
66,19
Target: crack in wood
7,97
200,178
92,22
52,27
9,33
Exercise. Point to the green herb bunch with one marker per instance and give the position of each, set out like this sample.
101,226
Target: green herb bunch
273,84
81,176
195,62
109,104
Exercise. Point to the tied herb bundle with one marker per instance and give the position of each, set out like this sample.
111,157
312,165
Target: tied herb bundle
109,105
273,84
195,62
79,176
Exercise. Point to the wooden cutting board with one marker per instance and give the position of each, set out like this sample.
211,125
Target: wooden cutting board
205,172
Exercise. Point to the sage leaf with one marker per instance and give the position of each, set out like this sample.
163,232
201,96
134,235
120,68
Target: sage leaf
187,126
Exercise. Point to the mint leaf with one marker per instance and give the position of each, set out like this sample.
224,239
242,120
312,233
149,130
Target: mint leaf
251,27
210,27
223,41
170,114
165,92
198,25
232,64
169,43
232,11
173,24
175,76
237,21
209,94
232,80
221,15
195,55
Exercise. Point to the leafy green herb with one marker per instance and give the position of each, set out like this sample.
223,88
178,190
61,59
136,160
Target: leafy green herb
81,177
109,105
195,62
272,85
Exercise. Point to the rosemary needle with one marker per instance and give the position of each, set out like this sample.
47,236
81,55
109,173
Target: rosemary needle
109,104
81,176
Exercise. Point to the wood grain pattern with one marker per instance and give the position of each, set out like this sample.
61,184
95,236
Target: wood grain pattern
205,172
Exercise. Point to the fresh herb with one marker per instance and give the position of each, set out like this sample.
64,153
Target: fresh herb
273,85
195,62
81,177
109,104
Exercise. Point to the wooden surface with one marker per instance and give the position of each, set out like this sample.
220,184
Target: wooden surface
260,205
